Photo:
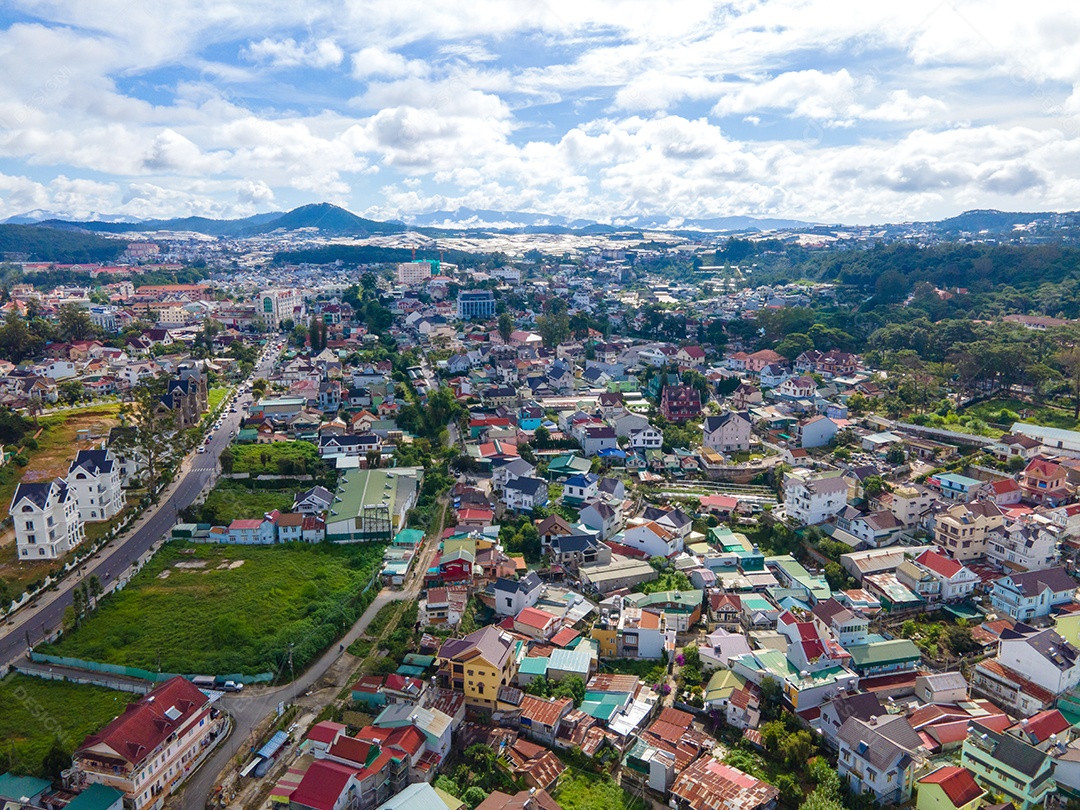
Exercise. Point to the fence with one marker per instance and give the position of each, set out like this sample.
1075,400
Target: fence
135,672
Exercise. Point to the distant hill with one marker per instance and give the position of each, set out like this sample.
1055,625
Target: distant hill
329,218
36,243
324,216
528,222
993,221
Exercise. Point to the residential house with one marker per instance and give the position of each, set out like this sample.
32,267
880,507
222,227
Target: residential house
1043,656
313,501
835,712
798,388
1024,545
602,518
651,539
95,479
1044,482
846,626
879,756
575,550
153,746
908,503
579,489
954,487
708,784
46,518
1016,445
963,528
525,494
949,788
727,433
813,498
1029,595
1009,766
479,665
680,403
817,431
646,438
514,595
956,581
596,439
539,718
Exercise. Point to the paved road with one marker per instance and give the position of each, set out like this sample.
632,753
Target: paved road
111,563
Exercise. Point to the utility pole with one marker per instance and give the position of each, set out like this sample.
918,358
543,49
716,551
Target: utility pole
292,673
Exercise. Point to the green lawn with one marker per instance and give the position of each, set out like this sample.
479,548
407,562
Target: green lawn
237,613
1045,415
215,395
36,712
280,458
229,501
590,791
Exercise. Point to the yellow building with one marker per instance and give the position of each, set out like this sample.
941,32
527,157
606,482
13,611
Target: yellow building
949,788
480,664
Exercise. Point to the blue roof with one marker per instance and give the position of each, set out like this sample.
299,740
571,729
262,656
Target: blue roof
96,797
275,744
577,660
581,480
16,788
611,452
958,480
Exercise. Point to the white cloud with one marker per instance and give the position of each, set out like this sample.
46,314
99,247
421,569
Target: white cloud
287,53
833,109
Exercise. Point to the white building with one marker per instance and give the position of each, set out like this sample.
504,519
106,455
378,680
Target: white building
1026,546
727,433
411,273
275,306
1042,656
652,539
812,498
514,595
95,478
46,518
879,756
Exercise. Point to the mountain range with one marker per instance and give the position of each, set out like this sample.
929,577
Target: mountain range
334,220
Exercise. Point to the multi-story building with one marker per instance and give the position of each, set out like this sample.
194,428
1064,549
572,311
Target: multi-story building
1029,595
94,478
908,502
880,756
153,746
475,304
1009,766
46,519
727,433
480,664
1044,482
412,273
1022,545
1043,656
962,529
813,498
275,306
679,403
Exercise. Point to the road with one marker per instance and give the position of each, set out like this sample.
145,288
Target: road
37,622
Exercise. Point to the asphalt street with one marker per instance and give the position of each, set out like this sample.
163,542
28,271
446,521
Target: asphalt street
39,621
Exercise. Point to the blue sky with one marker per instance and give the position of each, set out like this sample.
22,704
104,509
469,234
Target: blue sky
831,111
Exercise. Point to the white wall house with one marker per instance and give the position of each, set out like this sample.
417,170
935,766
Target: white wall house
647,438
95,478
727,433
514,595
525,494
812,498
652,539
46,518
1042,656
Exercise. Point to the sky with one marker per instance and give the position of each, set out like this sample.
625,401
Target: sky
830,111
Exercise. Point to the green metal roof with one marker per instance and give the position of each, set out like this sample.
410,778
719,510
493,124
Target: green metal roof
96,797
535,665
883,653
15,788
602,705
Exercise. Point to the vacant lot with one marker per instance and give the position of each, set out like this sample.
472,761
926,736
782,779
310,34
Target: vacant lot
281,458
229,501
38,712
581,790
214,397
220,610
1016,410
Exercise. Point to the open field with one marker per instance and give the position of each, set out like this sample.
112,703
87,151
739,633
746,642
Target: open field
1046,415
215,395
222,610
281,458
581,790
229,501
37,712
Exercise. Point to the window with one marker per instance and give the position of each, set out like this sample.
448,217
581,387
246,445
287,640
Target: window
480,687
31,539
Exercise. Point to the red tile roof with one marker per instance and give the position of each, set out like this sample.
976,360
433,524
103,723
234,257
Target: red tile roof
352,749
144,725
939,564
325,732
564,636
957,783
322,785
1042,725
409,739
532,617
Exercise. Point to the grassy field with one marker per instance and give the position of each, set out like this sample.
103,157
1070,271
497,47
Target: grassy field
38,712
588,791
286,458
215,395
220,610
1046,415
229,501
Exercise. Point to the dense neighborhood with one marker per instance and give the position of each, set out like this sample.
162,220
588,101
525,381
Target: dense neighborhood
599,568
